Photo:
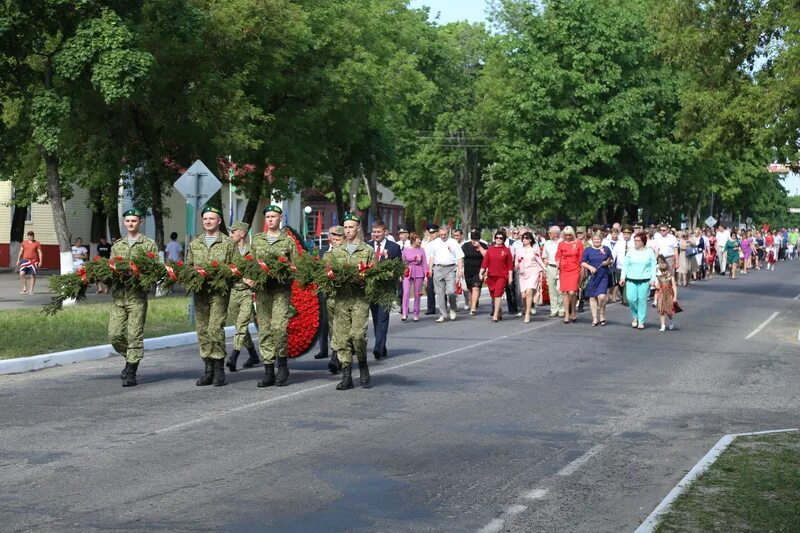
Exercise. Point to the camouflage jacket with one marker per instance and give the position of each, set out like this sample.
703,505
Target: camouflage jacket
284,246
222,250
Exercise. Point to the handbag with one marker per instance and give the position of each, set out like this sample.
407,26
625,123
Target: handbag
692,251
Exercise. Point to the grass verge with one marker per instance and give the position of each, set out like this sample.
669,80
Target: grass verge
753,486
30,332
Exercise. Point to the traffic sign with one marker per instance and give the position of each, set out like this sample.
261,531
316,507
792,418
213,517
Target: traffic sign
198,184
711,221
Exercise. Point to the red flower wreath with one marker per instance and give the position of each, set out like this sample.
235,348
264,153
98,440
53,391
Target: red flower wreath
304,325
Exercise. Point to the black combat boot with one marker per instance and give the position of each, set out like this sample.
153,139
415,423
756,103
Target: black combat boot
231,364
334,366
124,372
219,372
252,360
269,376
363,370
321,355
130,375
208,373
347,378
282,377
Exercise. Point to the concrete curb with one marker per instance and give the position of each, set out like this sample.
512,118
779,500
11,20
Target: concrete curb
38,362
650,523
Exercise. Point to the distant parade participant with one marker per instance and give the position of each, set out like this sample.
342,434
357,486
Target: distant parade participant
335,237
211,307
273,301
351,309
129,309
241,305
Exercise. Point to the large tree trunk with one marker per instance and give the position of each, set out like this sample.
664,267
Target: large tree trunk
99,218
113,225
371,179
17,232
157,207
250,211
467,178
354,184
338,195
56,200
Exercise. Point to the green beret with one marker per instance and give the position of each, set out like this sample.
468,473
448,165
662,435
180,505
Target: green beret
133,213
244,226
351,216
336,230
273,209
209,209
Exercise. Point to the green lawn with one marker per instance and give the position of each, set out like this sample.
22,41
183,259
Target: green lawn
753,486
85,324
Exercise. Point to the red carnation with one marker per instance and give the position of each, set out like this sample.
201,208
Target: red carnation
282,259
214,264
96,258
118,258
151,255
179,264
316,258
248,257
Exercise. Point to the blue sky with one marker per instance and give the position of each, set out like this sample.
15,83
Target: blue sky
454,10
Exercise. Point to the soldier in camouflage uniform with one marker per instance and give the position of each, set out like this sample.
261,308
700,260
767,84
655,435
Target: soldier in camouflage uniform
211,308
241,305
335,237
351,309
273,301
129,311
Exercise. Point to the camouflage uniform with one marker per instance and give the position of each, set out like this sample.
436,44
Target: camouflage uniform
351,309
241,306
272,302
129,311
211,309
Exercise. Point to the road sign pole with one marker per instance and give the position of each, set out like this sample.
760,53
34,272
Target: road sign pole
196,209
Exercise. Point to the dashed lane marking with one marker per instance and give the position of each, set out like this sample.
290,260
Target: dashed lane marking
763,325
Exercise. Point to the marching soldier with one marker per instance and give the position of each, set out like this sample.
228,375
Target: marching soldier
211,307
351,308
273,301
335,236
241,305
129,311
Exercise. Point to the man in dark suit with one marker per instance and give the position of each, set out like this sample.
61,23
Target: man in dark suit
384,249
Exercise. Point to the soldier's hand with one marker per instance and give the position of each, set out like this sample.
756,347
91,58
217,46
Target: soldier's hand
248,282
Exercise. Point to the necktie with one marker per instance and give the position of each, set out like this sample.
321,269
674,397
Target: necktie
378,250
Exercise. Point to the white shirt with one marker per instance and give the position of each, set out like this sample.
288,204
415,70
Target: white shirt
403,244
610,243
550,248
383,248
619,250
722,238
441,252
665,244
515,248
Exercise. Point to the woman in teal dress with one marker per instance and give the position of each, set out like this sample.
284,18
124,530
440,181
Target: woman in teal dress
732,248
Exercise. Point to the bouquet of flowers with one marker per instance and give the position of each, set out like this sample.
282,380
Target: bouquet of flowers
213,276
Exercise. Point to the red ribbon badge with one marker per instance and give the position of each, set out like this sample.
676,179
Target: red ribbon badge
263,265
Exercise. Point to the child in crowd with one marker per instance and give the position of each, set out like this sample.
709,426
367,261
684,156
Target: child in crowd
666,293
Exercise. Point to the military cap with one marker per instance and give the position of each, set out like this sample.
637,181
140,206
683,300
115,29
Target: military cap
244,226
336,230
351,216
627,228
433,227
402,229
273,209
133,213
211,209
580,229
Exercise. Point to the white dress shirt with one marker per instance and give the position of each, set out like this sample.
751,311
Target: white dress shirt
665,244
550,248
441,252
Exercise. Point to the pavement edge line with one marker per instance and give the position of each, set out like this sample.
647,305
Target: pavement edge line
650,523
49,360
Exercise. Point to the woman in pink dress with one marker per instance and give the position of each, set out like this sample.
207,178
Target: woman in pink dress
568,258
530,267
416,272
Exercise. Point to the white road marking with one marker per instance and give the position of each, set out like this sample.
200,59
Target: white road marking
580,461
536,494
493,527
298,392
516,509
763,325
796,297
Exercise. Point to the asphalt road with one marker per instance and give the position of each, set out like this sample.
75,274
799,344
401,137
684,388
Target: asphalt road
470,426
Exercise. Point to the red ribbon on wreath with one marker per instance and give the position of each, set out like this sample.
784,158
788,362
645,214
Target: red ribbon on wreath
82,273
134,268
263,265
329,271
113,266
201,271
171,273
235,270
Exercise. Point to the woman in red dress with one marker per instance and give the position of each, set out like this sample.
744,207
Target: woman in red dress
568,259
497,268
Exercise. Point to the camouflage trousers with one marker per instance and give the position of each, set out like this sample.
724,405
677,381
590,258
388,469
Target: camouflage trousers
350,317
241,307
126,324
272,310
211,310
